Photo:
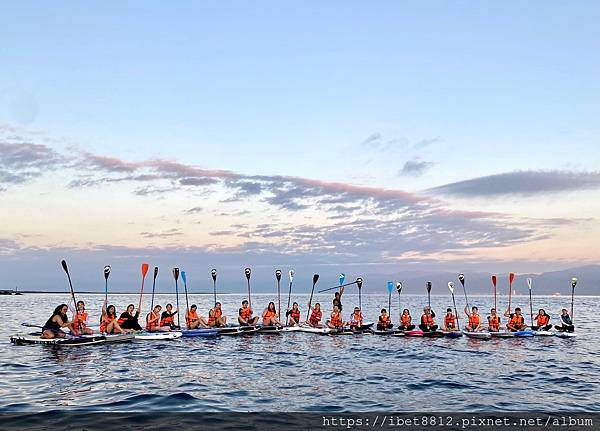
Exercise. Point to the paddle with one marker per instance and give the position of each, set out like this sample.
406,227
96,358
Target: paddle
248,272
530,300
399,290
144,272
291,275
213,274
315,279
511,277
278,277
342,278
359,284
390,288
494,283
176,277
106,274
187,304
153,287
336,287
451,287
573,284
428,286
461,278
66,269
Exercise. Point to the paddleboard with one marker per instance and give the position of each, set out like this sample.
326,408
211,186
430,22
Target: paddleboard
453,334
502,334
116,338
384,332
269,329
413,333
205,332
544,333
150,336
312,330
230,330
478,335
290,329
433,334
523,334
73,341
563,334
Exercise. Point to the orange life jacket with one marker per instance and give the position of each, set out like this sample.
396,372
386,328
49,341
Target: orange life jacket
82,316
542,320
218,313
427,320
494,322
268,314
450,321
405,320
191,316
517,320
166,321
151,325
384,319
315,317
105,322
295,314
356,319
474,320
336,320
246,313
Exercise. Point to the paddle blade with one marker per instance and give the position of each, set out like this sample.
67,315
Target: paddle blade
399,287
144,269
390,287
183,277
494,279
213,274
278,275
106,272
342,278
176,273
573,281
451,287
359,282
461,278
529,283
291,275
511,277
315,279
64,266
428,285
155,272
248,272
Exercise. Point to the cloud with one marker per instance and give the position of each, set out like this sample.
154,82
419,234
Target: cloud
414,168
522,183
419,145
194,210
23,162
164,234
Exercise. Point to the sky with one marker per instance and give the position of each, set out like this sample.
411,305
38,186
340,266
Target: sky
320,136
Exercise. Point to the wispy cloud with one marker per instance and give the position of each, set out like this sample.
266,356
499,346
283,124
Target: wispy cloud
414,168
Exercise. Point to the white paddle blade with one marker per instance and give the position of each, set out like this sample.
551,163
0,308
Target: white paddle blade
399,287
573,282
529,283
451,287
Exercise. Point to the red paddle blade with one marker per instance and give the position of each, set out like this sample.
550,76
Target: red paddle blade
144,269
494,280
511,277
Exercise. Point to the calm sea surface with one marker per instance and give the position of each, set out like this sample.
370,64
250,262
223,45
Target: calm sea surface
299,371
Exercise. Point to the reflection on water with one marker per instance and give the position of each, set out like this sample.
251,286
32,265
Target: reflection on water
302,372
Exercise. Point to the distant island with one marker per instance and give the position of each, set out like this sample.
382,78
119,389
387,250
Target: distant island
10,292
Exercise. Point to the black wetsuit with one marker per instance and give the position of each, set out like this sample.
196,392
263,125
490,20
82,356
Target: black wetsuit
129,321
51,325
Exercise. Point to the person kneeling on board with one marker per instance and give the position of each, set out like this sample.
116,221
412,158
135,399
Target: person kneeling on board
516,320
80,322
53,326
216,318
108,321
193,321
356,320
129,320
566,323
153,321
449,321
406,321
167,318
494,321
542,321
315,317
269,316
337,299
335,321
293,315
427,322
384,322
245,315
474,324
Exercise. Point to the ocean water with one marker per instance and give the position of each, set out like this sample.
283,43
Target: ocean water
299,371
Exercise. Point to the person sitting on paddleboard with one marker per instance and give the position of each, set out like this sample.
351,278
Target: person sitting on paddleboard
168,317
337,299
474,324
406,321
269,316
53,326
315,316
335,321
129,320
494,321
80,321
566,323
449,321
356,320
153,321
108,321
427,322
516,320
293,315
384,322
542,321
216,318
245,315
193,321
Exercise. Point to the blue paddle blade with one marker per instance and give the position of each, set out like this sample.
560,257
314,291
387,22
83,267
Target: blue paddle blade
183,276
390,286
342,278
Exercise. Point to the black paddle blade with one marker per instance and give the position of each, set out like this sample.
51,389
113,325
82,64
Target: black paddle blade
213,274
278,275
106,272
359,283
248,272
399,287
64,265
428,284
155,272
176,273
315,279
461,278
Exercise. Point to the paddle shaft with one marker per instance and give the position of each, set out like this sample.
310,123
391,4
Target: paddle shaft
495,301
106,290
249,297
390,303
455,312
466,299
509,296
141,294
187,305
359,300
153,287
177,302
337,287
531,307
215,290
287,318
278,299
572,301
73,294
310,301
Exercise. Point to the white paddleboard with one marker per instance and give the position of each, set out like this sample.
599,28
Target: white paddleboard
158,335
